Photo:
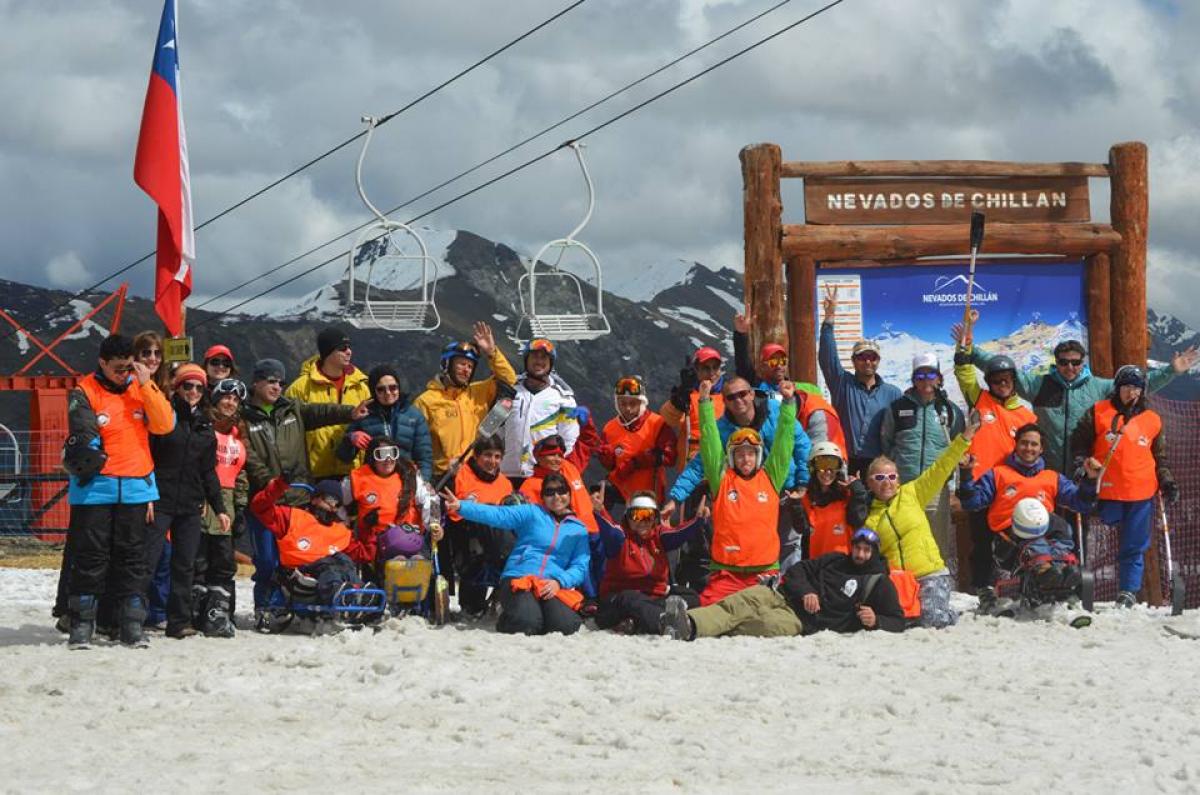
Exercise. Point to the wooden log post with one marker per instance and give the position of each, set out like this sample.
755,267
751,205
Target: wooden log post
929,240
763,208
802,317
1099,298
1130,213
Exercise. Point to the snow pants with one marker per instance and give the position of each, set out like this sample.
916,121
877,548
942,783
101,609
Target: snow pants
522,613
159,589
982,558
479,553
758,611
107,550
936,611
722,584
266,561
642,608
185,543
1133,521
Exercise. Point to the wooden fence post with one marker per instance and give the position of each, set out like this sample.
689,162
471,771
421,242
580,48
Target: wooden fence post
801,313
1099,310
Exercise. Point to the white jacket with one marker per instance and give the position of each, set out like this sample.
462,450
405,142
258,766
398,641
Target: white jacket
536,415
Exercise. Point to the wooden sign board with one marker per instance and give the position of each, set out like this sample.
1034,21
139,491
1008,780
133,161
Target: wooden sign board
945,201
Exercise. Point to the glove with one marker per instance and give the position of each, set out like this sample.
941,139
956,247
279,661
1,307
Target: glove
1170,491
771,581
581,414
962,357
360,439
688,380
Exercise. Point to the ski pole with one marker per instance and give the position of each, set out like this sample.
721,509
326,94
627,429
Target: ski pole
1120,434
976,242
1178,587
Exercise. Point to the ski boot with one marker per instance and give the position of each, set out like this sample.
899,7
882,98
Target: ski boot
272,620
199,600
1126,599
82,610
674,622
132,617
217,620
987,601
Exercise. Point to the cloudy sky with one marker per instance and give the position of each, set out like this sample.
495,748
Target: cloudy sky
267,85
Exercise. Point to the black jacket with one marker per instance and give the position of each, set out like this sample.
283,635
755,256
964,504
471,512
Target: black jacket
828,577
185,463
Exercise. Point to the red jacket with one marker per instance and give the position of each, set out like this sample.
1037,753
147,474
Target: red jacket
637,564
282,520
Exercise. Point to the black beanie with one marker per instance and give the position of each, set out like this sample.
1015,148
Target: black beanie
378,372
329,340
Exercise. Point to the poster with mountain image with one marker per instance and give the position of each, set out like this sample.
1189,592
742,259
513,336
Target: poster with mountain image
1026,307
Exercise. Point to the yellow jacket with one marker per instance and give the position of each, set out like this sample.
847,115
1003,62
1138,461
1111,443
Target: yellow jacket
311,386
905,538
454,413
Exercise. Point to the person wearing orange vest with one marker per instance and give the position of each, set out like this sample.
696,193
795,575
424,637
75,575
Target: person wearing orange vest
637,577
994,495
681,411
550,454
111,490
638,444
1124,426
314,541
745,496
835,502
479,551
388,490
1001,412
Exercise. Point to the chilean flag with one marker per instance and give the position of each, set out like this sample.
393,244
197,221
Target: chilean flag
161,170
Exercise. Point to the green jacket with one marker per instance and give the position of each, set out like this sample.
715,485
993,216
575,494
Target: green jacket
1060,406
276,446
914,434
712,452
235,501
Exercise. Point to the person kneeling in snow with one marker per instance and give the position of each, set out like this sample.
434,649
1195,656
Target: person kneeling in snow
840,592
313,542
637,577
538,587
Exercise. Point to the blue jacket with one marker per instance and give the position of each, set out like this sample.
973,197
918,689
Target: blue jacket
404,425
860,409
693,474
978,495
545,547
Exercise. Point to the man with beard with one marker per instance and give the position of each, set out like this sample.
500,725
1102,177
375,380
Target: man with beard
840,592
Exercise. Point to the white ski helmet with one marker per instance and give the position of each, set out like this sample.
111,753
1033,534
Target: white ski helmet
825,449
1030,519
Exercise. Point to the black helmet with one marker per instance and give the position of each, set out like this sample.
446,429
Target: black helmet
999,364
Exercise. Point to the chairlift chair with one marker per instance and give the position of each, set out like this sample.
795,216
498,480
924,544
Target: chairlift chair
417,314
585,324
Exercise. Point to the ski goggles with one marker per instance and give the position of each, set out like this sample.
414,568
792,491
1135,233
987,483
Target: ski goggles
642,514
389,453
545,346
826,463
777,360
631,387
229,386
864,534
926,375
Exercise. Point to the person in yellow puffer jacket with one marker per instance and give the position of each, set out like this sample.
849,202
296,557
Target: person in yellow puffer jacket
453,404
329,377
897,515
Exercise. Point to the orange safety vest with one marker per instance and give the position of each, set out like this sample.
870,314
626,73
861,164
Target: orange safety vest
833,423
124,435
581,500
1012,487
372,491
745,522
469,486
997,434
626,444
231,457
829,530
307,540
1131,474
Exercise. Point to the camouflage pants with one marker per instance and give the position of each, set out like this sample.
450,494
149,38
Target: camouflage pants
936,611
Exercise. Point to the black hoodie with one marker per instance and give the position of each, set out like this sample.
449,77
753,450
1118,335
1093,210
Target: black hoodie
839,585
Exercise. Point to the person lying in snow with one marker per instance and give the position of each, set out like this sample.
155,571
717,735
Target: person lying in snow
840,592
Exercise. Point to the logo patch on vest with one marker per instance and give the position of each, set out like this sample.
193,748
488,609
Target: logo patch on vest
1143,441
303,544
838,529
102,419
1011,491
372,498
850,588
138,414
733,496
905,412
288,421
762,496
618,451
989,417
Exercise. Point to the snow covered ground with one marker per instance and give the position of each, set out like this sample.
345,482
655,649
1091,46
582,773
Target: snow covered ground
989,705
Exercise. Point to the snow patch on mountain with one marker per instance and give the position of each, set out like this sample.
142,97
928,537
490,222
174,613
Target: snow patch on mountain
641,282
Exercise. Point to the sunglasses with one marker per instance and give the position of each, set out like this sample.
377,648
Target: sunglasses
386,454
226,363
642,514
866,357
388,388
777,361
827,466
880,477
345,346
740,395
629,386
1070,362
150,353
191,386
555,491
124,370
926,376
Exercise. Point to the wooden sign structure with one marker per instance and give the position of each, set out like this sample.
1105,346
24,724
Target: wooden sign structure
888,211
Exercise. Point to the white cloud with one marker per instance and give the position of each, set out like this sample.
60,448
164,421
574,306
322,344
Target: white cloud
67,270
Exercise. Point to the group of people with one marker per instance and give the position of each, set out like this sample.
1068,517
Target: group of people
746,504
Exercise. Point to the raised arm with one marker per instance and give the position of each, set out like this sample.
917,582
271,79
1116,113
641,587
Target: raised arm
779,460
712,456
